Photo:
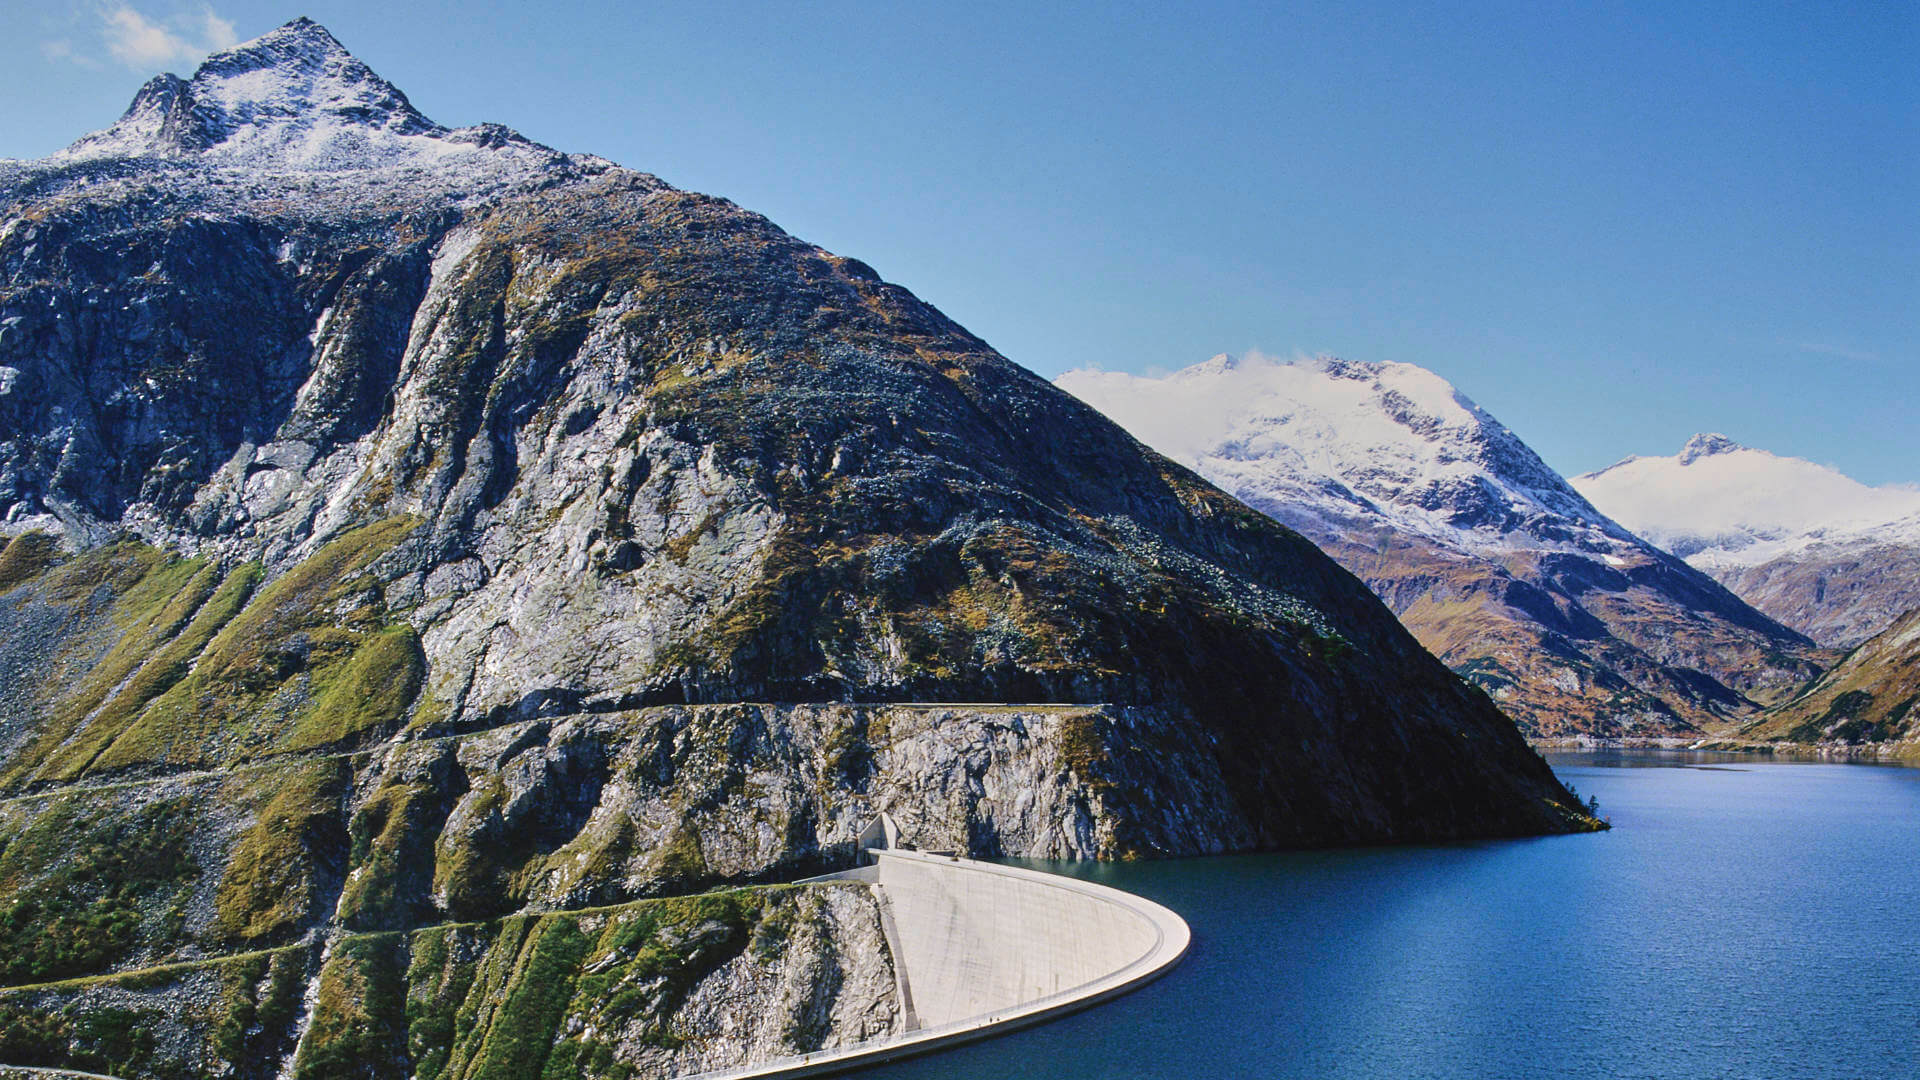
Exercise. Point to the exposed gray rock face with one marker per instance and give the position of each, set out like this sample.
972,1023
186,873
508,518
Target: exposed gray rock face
833,987
658,450
1839,593
601,809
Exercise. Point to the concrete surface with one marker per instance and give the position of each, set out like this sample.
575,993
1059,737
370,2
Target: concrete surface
982,948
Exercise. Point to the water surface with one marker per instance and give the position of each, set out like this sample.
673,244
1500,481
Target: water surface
1744,919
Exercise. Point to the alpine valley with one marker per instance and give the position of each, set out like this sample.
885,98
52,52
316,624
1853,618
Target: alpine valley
1578,627
433,559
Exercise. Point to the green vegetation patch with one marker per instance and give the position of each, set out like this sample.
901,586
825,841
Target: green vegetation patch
150,598
268,889
359,1014
651,955
286,673
26,556
679,858
186,1019
470,865
536,996
115,568
109,1040
163,661
1841,722
546,995
392,839
371,691
259,1001
81,890
439,980
595,860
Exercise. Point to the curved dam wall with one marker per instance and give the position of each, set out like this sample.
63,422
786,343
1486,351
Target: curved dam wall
981,948
974,938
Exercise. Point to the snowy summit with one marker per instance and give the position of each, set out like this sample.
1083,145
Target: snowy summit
1350,441
292,100
1820,551
1508,574
1717,503
292,123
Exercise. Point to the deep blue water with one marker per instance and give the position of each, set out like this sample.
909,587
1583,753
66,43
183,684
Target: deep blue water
1743,920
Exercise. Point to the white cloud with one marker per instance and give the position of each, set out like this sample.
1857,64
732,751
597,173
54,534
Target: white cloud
216,31
62,49
147,43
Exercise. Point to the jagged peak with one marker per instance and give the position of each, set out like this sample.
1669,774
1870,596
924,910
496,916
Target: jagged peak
1707,444
300,68
293,98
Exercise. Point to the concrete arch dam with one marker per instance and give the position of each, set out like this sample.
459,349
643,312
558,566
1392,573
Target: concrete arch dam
981,948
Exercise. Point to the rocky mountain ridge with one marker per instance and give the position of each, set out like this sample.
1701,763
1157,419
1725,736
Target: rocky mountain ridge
408,535
1819,551
296,101
1576,625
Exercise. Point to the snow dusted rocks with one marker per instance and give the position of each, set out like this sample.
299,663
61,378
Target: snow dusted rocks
1573,623
295,101
1821,552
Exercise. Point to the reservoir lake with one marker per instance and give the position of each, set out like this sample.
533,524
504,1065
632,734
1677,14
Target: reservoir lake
1745,919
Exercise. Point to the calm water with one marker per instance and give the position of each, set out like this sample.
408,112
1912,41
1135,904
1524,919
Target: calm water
1742,920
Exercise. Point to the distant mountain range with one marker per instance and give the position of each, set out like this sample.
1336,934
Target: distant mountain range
1571,621
1815,549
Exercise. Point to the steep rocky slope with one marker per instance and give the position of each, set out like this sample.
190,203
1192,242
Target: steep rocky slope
1574,624
1865,704
1817,550
417,532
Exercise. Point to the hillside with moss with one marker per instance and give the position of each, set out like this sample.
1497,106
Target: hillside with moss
1865,706
430,564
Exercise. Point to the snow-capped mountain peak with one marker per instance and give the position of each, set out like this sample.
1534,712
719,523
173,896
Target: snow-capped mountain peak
1349,440
1820,551
1719,503
1707,444
293,99
1496,564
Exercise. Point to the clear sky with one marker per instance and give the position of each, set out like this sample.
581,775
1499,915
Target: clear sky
1611,224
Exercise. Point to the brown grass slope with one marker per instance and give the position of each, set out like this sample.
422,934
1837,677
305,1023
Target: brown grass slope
1868,700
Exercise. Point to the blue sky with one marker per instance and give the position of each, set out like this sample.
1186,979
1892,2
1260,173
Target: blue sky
1611,224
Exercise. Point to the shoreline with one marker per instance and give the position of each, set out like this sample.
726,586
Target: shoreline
1905,752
